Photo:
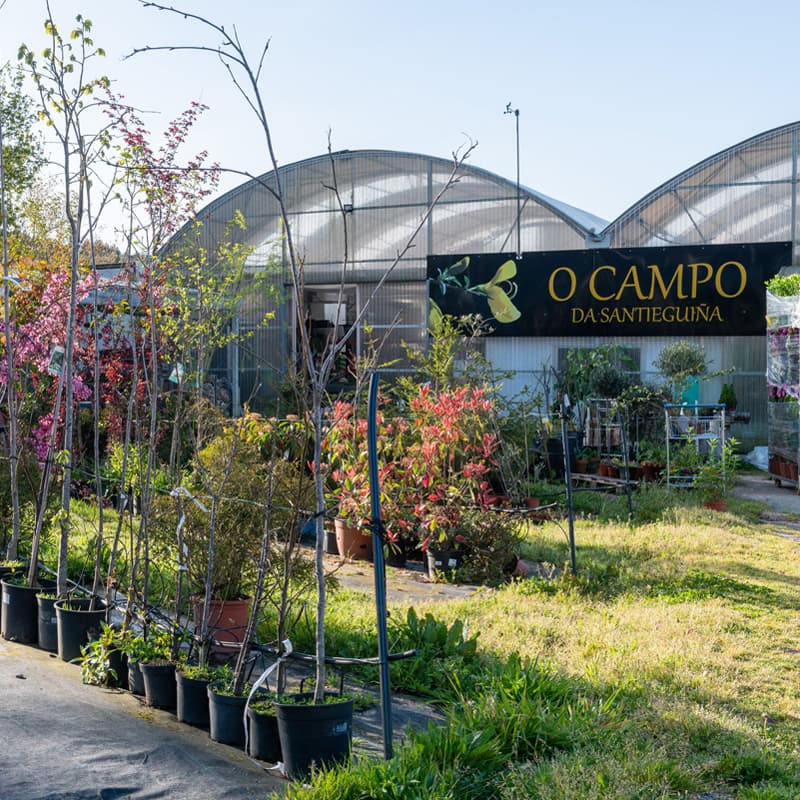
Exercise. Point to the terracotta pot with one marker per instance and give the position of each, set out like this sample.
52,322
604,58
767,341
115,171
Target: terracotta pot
227,624
582,465
352,542
650,471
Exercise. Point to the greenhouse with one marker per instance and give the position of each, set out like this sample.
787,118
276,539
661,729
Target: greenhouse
745,195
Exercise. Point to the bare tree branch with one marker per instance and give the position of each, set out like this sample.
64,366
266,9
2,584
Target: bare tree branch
233,56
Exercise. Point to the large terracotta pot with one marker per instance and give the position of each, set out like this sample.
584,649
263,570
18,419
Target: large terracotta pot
227,624
355,543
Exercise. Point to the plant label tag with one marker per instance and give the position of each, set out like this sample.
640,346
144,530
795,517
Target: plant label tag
6,599
452,562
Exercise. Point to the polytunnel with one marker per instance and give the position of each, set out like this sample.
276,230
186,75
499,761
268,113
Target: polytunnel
382,196
745,193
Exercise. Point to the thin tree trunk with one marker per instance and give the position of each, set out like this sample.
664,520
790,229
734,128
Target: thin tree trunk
12,551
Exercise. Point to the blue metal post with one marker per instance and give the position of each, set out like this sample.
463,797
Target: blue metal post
378,563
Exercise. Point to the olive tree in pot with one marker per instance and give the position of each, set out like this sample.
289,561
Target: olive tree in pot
681,363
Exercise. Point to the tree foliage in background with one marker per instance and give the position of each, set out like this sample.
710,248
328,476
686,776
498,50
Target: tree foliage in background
22,148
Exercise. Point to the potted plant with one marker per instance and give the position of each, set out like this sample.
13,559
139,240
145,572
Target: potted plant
313,733
19,621
47,624
653,459
139,648
345,446
489,542
78,621
582,459
717,475
681,363
220,535
447,461
727,397
264,742
191,692
101,660
226,707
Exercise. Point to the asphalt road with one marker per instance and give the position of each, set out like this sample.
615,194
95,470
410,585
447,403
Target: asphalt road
759,486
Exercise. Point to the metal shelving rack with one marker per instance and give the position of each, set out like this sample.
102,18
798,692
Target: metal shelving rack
701,424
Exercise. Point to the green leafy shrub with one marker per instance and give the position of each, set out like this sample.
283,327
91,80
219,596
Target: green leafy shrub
444,653
784,285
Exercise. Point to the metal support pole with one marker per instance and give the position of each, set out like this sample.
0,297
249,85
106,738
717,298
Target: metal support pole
379,566
573,559
515,112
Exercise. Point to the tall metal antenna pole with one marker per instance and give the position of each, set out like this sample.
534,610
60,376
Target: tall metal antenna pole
515,112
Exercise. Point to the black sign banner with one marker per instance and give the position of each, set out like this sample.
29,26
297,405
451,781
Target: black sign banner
645,291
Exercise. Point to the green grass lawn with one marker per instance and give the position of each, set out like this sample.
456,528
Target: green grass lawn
668,668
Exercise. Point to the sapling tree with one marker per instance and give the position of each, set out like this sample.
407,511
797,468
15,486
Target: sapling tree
159,194
66,92
247,77
20,160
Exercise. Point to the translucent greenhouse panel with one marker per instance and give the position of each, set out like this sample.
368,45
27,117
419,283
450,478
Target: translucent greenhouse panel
406,303
396,315
743,194
490,227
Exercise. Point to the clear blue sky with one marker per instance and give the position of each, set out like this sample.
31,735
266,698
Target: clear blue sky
614,97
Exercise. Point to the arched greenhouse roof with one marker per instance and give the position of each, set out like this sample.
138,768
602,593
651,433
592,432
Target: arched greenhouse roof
746,193
385,194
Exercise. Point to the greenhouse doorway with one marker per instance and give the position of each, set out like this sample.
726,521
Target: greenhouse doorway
329,312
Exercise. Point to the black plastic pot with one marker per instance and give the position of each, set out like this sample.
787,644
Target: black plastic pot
395,554
314,734
191,700
78,623
330,543
20,613
118,661
264,742
7,572
159,684
47,625
135,678
225,717
442,561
